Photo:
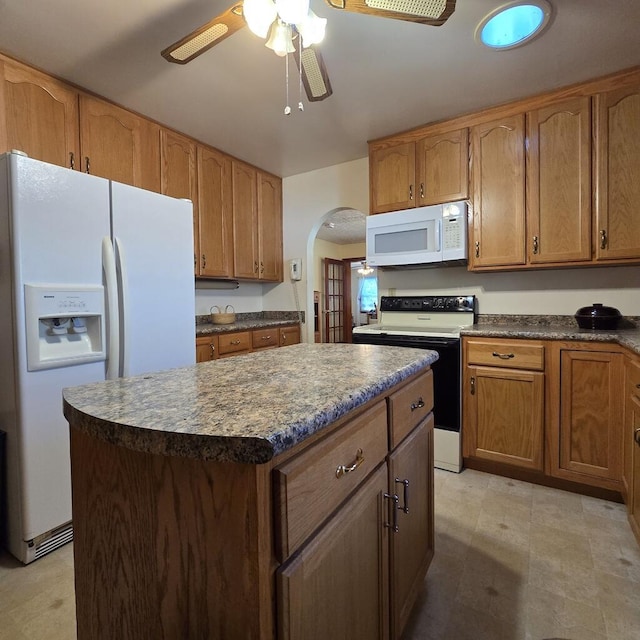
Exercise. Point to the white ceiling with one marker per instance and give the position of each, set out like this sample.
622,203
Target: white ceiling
387,75
345,226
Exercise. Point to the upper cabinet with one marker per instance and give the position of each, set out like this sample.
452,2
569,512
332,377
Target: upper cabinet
270,226
617,166
431,169
497,178
38,115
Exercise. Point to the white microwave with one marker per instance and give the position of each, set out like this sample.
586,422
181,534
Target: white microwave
418,236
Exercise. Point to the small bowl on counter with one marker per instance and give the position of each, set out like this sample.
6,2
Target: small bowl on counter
597,316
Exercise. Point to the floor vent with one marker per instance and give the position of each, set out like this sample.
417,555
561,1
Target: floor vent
56,539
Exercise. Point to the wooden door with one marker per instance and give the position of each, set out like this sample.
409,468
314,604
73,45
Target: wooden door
442,168
498,174
634,510
178,177
206,348
412,546
38,115
559,182
632,398
392,177
616,233
245,221
110,140
590,427
215,219
335,297
336,586
504,410
270,226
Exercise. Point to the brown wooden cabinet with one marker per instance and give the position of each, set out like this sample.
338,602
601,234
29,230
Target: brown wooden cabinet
632,445
38,115
270,227
617,174
498,191
559,182
587,412
289,335
503,403
427,169
206,348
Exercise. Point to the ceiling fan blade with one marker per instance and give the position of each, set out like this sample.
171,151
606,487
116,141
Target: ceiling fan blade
314,74
208,35
431,12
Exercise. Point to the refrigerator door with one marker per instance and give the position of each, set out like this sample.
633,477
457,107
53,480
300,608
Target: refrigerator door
153,238
57,220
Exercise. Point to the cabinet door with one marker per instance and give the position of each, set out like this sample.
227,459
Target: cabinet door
617,179
411,546
215,222
559,182
111,143
442,164
206,348
336,586
590,427
245,221
632,399
392,177
178,176
270,226
634,511
504,410
498,170
289,335
38,115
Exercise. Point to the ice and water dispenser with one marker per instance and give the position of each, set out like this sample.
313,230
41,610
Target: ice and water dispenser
64,325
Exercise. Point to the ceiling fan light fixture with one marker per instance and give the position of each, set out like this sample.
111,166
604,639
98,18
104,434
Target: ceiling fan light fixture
312,29
280,41
259,15
292,11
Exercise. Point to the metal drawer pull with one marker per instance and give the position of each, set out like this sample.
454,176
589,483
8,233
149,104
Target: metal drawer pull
417,405
503,356
265,338
473,385
636,436
234,342
405,497
342,469
393,525
603,239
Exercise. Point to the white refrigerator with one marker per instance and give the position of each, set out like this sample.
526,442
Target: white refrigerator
96,281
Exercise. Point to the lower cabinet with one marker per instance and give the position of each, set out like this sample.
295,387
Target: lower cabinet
632,445
206,348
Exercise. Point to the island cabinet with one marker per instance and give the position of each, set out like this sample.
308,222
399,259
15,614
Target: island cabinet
328,539
504,401
586,413
430,168
631,443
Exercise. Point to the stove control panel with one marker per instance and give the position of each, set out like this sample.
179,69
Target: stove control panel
438,304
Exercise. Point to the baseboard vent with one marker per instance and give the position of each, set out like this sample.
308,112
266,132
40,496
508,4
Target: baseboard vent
49,542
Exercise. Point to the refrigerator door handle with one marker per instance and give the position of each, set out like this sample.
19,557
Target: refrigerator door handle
113,321
121,267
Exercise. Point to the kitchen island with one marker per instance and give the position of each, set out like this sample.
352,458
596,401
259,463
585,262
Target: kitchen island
259,497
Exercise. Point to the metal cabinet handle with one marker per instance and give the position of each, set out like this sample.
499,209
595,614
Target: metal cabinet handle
417,405
235,342
405,497
72,160
213,350
261,267
255,266
343,469
87,165
636,436
603,238
265,338
422,189
204,260
472,384
478,249
535,244
393,525
410,192
503,356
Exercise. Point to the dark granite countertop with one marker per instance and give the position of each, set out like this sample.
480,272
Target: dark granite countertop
245,409
552,328
248,322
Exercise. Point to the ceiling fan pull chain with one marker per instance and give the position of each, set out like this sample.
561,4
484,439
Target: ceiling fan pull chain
287,109
300,105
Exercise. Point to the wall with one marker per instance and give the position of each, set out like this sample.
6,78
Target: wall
248,297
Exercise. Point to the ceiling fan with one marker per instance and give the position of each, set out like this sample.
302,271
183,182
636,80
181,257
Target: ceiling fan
312,69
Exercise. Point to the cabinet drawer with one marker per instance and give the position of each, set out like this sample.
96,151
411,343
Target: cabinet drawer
234,342
409,406
261,338
511,354
309,487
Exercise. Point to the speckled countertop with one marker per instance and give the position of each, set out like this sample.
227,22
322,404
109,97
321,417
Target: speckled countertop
248,322
244,409
552,328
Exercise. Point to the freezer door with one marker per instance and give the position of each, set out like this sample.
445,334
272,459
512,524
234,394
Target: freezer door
153,238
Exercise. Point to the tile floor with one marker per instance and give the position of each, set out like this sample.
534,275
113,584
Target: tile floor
514,561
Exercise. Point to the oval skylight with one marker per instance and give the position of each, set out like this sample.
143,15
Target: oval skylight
514,24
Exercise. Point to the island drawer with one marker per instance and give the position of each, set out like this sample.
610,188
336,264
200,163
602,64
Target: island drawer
234,342
409,406
512,354
310,486
262,338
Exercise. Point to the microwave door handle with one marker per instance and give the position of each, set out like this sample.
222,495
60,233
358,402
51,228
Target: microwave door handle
438,235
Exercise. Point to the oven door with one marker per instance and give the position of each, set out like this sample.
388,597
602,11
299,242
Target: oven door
446,372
